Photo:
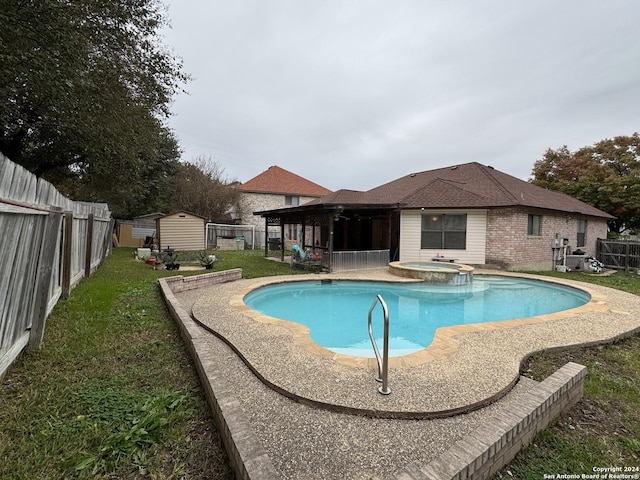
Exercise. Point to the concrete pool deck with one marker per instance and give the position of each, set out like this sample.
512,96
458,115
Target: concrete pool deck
301,399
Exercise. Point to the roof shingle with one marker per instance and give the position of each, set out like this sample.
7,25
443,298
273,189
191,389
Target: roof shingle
277,180
470,185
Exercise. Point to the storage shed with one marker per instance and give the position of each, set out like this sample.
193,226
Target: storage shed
181,231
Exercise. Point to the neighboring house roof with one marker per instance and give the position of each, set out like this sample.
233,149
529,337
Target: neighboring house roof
470,185
277,180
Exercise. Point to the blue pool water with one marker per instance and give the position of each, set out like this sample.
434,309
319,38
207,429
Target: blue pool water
337,312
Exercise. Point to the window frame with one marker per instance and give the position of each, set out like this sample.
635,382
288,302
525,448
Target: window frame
446,235
581,223
534,230
292,232
292,200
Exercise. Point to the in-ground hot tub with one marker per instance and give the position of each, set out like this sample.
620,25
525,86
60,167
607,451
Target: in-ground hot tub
434,272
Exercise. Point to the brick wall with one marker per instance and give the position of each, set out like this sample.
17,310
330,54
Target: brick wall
256,202
182,284
508,244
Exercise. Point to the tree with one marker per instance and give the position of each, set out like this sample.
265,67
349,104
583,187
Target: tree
131,188
605,175
201,189
85,87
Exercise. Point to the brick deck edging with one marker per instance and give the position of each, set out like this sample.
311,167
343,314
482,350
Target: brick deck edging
179,283
494,444
247,456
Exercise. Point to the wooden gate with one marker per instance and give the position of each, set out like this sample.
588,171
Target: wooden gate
621,254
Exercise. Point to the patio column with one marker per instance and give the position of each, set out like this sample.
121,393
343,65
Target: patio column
281,240
330,244
313,233
389,236
266,236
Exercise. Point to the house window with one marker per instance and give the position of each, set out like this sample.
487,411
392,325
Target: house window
445,231
533,227
582,233
293,232
292,200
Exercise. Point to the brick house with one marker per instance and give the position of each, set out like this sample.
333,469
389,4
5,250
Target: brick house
272,189
470,212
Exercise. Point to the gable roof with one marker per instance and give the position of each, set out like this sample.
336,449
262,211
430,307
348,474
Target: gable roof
470,185
280,181
179,212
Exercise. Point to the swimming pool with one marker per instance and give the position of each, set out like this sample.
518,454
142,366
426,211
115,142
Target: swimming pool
336,312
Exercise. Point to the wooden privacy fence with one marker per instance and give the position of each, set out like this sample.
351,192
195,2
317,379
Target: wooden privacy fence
622,254
48,243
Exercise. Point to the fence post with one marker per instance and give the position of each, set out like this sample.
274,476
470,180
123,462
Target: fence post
107,242
88,254
626,256
44,273
66,254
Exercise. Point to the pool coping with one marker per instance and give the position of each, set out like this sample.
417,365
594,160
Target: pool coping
444,343
342,383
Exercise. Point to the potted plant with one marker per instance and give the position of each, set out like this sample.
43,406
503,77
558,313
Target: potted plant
207,261
171,260
157,261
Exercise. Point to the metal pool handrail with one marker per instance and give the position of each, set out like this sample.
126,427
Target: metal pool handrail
383,363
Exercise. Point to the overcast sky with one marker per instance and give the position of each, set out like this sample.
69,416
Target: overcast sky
353,94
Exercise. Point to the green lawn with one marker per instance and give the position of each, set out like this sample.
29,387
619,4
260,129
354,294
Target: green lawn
113,393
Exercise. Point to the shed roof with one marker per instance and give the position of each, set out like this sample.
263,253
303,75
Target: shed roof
182,212
277,180
149,217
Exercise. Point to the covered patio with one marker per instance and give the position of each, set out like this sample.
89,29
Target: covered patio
338,233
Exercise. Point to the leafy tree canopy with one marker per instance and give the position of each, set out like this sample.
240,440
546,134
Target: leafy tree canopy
85,86
605,175
201,189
